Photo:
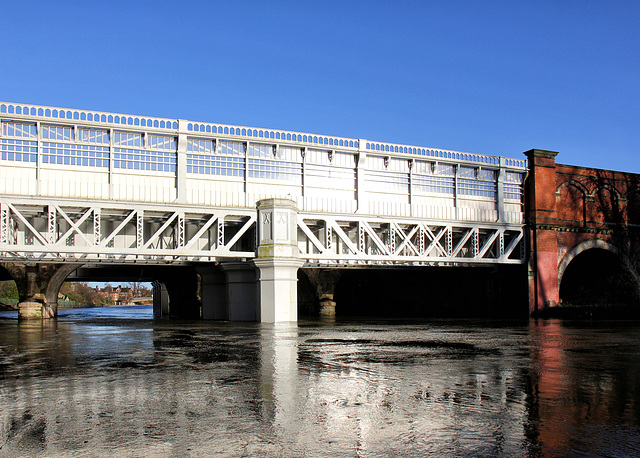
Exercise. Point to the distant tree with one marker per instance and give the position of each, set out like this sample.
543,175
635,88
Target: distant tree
81,293
135,287
8,290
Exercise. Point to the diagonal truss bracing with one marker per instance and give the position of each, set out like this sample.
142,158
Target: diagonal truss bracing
368,240
71,231
106,231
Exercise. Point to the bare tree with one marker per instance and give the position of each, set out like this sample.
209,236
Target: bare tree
620,213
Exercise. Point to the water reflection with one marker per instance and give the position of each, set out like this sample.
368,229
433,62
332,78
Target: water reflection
585,387
96,384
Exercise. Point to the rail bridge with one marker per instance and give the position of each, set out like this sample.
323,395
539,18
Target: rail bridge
222,217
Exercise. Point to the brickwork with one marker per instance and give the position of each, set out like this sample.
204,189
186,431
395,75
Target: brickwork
567,206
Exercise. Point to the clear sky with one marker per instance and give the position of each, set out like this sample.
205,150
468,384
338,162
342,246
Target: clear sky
489,77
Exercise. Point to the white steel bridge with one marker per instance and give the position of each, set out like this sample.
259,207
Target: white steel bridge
87,187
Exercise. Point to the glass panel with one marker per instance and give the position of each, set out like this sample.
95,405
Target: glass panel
215,165
162,142
60,153
198,145
265,151
18,129
466,172
275,170
57,133
18,150
232,148
93,135
487,174
144,160
127,139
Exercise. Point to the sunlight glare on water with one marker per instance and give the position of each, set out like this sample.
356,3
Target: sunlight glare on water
102,382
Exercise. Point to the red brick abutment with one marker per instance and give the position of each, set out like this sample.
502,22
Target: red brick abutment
583,233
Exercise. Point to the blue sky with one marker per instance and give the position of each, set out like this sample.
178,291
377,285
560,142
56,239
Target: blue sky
479,76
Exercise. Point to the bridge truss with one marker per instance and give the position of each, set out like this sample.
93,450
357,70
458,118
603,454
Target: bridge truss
369,241
64,231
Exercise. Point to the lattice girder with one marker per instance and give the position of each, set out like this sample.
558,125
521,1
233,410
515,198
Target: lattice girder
402,241
67,231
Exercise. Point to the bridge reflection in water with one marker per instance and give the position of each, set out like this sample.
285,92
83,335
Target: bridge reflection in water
90,383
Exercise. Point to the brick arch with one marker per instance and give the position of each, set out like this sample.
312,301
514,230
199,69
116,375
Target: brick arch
571,198
605,204
609,187
581,247
574,183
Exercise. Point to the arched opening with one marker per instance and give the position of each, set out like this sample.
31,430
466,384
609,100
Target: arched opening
595,277
308,304
8,291
452,292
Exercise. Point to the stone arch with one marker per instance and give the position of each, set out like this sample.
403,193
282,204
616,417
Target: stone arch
581,247
56,281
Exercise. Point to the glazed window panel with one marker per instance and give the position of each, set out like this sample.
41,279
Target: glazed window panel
232,148
275,170
93,136
83,155
422,167
476,188
466,172
57,133
19,129
344,159
263,151
487,174
127,139
200,145
132,159
444,169
162,142
375,163
315,156
18,150
433,184
215,165
513,186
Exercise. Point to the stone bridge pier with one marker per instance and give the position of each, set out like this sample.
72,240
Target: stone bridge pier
38,287
324,282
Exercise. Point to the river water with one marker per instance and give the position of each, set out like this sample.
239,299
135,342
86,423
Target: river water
114,381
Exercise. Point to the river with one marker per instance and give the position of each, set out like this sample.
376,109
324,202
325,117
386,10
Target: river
114,381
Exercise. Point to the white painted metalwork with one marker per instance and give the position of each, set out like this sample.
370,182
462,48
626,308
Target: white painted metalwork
78,184
157,234
346,241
